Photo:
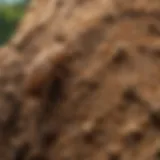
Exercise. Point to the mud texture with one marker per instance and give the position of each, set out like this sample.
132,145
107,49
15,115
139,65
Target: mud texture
81,81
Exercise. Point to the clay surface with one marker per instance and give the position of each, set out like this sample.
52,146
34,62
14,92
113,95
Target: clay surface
80,80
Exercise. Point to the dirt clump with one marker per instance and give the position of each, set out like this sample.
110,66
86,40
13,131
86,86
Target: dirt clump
82,82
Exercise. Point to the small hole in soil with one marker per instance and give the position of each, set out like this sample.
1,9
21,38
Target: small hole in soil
157,155
89,138
155,119
60,3
114,157
133,138
60,38
21,153
121,56
130,95
153,29
48,137
108,19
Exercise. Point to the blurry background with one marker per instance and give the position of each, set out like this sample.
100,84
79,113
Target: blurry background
11,11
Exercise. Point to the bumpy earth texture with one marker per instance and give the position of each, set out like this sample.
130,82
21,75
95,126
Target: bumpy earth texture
80,80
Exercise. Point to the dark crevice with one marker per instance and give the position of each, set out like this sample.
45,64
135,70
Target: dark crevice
121,56
133,138
114,157
155,118
10,125
130,95
21,152
153,29
157,155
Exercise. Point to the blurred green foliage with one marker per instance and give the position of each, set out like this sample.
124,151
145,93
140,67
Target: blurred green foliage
10,15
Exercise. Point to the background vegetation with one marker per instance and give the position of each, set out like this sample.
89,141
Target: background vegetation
10,14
